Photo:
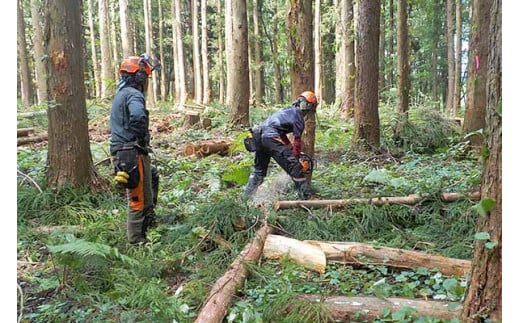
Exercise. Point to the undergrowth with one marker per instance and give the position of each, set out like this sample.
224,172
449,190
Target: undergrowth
75,264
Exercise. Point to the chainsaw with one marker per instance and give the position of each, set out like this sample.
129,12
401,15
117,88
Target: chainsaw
308,163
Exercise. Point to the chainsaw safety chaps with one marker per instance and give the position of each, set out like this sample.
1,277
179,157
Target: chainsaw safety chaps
127,160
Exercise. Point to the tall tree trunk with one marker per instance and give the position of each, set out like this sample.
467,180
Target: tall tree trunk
403,59
258,57
69,159
106,59
301,70
237,64
436,27
164,82
93,51
483,299
391,41
221,73
148,31
180,79
197,76
206,81
366,114
348,108
318,64
450,108
475,116
113,37
458,57
25,75
41,83
341,55
278,91
127,44
382,36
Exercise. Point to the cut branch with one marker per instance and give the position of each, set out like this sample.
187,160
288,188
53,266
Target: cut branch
411,199
348,309
364,254
219,298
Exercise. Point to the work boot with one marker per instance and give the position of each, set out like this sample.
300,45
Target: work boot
303,189
252,185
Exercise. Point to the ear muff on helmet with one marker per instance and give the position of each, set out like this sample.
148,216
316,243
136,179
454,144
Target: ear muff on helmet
141,77
306,106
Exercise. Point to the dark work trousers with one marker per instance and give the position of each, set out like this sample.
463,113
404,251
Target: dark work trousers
282,154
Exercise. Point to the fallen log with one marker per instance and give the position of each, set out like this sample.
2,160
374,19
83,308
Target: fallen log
218,300
207,147
24,132
411,199
357,308
32,139
31,114
364,254
305,254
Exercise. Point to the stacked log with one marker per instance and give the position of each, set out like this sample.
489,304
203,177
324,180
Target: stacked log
205,148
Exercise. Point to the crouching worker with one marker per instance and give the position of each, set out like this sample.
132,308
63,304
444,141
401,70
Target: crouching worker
271,141
130,146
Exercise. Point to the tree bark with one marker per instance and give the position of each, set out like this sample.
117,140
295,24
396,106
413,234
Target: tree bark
106,56
206,81
221,50
358,308
237,65
411,199
483,297
258,57
164,82
93,52
127,44
25,75
150,49
403,60
475,116
197,76
69,159
457,57
318,64
355,253
366,134
451,58
300,49
180,77
41,84
217,302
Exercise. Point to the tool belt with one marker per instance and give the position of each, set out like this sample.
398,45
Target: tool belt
253,139
126,159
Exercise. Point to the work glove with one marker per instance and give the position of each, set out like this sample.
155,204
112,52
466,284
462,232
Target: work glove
122,177
305,165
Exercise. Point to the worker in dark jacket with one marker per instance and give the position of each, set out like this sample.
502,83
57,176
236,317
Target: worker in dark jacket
129,146
271,141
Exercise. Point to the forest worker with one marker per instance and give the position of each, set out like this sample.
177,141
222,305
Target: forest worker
130,145
271,141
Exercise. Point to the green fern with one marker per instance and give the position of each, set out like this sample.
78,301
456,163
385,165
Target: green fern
82,248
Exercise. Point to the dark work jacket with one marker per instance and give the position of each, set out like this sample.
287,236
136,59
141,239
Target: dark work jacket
128,119
284,121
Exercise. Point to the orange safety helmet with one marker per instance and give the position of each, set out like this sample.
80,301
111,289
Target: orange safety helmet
310,101
132,64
